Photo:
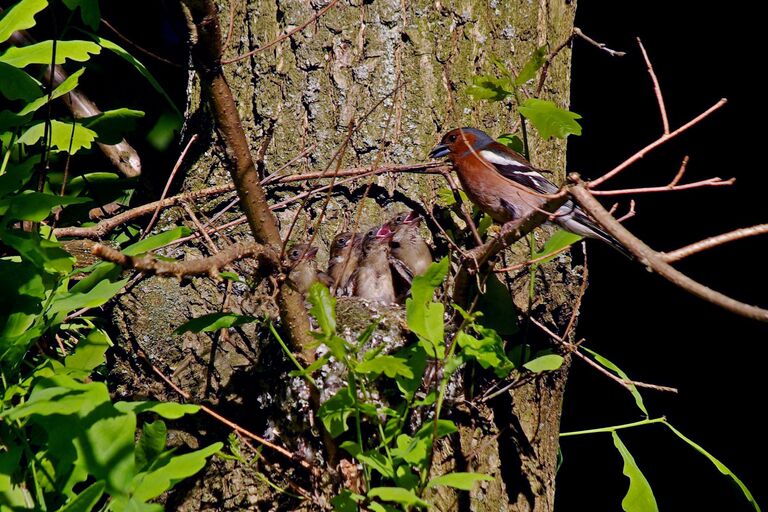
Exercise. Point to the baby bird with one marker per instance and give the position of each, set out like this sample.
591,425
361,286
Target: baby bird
373,279
408,246
304,268
345,256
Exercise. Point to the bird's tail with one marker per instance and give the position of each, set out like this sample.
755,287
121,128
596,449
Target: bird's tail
580,223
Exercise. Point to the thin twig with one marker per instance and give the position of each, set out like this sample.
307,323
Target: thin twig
655,261
631,213
713,241
656,88
175,169
202,266
710,182
613,53
142,50
285,36
653,145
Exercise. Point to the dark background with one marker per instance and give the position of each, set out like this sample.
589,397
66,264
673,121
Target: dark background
653,331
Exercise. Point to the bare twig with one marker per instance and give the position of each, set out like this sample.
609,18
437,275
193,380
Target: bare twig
175,169
101,229
713,241
653,145
204,266
285,36
613,53
710,182
655,261
134,45
631,213
656,88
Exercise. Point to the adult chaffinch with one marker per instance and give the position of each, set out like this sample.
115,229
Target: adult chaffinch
373,278
303,268
497,178
346,248
408,246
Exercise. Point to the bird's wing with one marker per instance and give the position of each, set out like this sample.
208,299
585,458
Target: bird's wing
520,172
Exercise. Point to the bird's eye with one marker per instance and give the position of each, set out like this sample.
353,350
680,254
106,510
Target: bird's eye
399,219
295,253
451,138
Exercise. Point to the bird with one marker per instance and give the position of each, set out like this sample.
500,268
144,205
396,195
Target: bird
408,246
345,254
496,178
303,268
373,277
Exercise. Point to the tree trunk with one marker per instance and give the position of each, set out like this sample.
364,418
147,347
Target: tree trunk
306,93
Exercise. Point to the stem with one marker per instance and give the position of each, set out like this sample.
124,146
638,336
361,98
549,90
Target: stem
290,354
614,428
358,427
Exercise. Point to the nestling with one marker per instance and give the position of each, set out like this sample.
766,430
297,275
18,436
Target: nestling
304,268
503,184
345,255
408,246
373,278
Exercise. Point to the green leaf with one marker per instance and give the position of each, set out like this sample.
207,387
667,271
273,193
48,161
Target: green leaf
444,428
41,53
498,308
112,125
559,240
490,88
151,443
214,322
487,351
460,480
86,500
416,359
89,11
89,352
117,49
391,366
336,410
41,252
486,221
69,137
20,17
545,363
398,495
154,483
95,297
371,458
323,308
347,501
230,276
719,465
164,131
63,88
535,62
159,240
549,119
618,371
513,142
446,198
639,496
35,206
423,286
411,450
167,410
16,84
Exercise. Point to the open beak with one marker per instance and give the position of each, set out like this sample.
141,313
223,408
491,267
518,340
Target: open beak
412,218
439,151
311,252
384,232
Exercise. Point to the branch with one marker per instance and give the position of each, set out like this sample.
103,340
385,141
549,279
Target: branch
656,88
710,182
210,266
654,260
101,229
653,145
714,241
510,233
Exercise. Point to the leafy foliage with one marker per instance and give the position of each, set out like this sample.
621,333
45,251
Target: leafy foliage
66,445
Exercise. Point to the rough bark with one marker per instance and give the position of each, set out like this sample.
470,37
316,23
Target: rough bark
306,91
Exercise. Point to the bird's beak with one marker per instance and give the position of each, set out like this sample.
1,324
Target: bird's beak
412,218
439,151
384,232
311,253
